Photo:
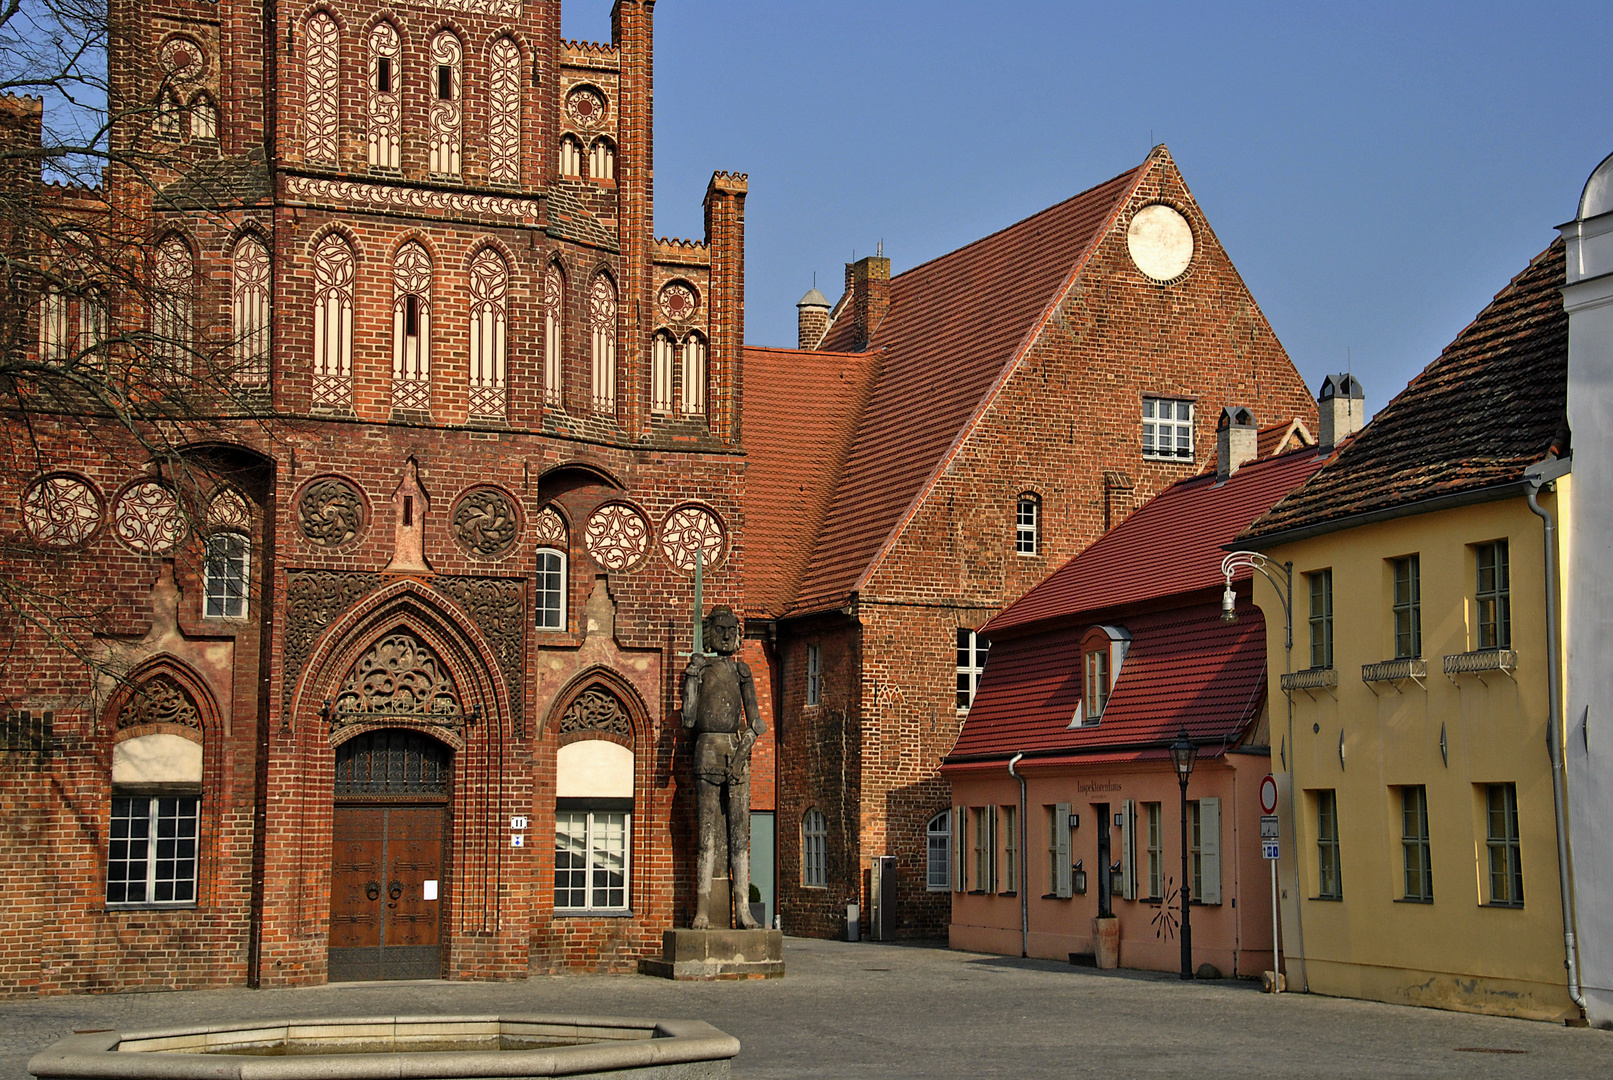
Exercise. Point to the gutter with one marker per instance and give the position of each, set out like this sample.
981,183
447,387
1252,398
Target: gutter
1022,884
1539,476
1494,493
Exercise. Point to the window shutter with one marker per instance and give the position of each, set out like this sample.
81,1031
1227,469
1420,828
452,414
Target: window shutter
960,847
990,884
1061,834
1210,849
1128,850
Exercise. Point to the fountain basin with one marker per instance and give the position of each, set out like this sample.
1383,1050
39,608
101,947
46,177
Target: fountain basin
399,1048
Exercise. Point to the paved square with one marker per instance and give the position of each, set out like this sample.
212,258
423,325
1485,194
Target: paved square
905,1011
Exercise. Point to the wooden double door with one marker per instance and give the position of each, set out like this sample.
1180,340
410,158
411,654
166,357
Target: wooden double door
387,891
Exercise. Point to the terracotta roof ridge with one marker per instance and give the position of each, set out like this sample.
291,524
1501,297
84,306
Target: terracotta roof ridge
814,352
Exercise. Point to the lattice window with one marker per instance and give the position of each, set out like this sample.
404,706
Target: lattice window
203,118
551,595
814,850
504,112
385,100
447,113
663,350
224,576
570,157
249,291
489,281
411,328
590,860
335,267
173,309
694,375
938,851
602,160
602,326
322,76
151,858
554,313
393,761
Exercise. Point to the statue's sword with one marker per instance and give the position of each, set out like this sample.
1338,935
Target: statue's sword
699,628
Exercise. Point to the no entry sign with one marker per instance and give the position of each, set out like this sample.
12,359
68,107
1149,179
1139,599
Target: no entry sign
1268,795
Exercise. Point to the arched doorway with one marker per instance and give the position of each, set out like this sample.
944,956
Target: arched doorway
389,829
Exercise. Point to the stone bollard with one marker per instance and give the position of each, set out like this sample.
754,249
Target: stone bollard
1106,941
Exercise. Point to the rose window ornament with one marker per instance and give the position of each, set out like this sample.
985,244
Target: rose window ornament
617,536
330,512
147,517
550,529
485,523
679,302
586,107
229,511
688,530
62,511
182,59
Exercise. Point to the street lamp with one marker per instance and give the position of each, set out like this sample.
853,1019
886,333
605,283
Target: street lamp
1183,753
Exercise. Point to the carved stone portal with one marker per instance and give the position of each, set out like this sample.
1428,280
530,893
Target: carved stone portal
398,678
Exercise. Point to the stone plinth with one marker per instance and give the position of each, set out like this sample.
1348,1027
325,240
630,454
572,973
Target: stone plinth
706,955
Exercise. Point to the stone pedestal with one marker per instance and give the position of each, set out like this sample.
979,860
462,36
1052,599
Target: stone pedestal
1106,942
709,955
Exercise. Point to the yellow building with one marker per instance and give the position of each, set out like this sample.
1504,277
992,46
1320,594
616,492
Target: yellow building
1420,856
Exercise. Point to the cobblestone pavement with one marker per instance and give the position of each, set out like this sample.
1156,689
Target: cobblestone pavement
868,1010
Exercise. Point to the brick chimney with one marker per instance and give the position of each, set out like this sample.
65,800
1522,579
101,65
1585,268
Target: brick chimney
812,319
1237,440
868,282
1340,410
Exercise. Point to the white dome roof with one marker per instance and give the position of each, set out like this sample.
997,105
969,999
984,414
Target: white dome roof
1598,196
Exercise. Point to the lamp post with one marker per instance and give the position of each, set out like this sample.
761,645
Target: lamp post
1183,753
1284,588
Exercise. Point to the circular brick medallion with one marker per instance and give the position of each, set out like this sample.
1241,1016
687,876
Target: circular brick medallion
147,517
586,106
331,512
486,523
617,536
691,529
61,510
678,301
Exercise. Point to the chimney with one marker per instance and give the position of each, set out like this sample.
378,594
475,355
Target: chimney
1236,440
869,283
1340,410
812,319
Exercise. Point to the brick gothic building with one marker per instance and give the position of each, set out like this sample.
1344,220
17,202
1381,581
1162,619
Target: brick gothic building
425,610
978,421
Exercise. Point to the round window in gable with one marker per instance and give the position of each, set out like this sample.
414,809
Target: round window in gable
1160,241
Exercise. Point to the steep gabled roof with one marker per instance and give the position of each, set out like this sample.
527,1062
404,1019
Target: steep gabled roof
955,327
1493,404
801,410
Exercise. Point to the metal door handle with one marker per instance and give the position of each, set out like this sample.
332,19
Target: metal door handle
372,889
395,890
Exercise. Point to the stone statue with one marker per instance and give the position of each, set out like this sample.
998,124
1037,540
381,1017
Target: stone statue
719,704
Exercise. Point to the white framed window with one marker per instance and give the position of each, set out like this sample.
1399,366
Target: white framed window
814,687
151,859
590,859
938,852
1167,429
972,646
814,850
224,575
1096,697
551,589
1028,525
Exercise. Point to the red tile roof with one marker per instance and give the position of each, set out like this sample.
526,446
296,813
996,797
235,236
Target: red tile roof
955,327
801,410
1172,545
1493,404
1186,668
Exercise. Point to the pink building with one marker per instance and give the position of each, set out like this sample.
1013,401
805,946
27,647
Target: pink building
1092,674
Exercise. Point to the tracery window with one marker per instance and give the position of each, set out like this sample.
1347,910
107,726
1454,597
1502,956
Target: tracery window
570,157
203,118
385,105
602,324
249,293
53,325
335,267
167,123
321,74
447,113
411,328
694,375
554,309
489,281
663,351
504,112
602,160
173,308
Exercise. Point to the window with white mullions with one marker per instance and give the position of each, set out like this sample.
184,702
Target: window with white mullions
938,837
551,594
1028,525
224,576
590,860
972,646
1167,429
151,858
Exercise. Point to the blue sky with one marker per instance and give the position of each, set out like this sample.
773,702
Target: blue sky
1377,171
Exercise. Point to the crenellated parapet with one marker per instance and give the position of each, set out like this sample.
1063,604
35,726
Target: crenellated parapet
590,54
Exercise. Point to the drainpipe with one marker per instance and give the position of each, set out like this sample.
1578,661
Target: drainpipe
1538,476
1024,898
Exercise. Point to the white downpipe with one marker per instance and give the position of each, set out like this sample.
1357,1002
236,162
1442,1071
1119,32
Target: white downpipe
1021,884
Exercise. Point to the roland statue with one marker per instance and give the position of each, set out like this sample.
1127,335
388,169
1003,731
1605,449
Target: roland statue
719,705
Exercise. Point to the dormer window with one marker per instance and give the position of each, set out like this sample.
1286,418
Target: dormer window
1096,693
1103,651
1167,429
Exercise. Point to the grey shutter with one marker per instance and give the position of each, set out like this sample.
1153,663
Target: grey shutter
1061,849
1210,849
960,845
990,884
1128,850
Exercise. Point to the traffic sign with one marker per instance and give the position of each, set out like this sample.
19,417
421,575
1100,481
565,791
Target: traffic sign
1268,827
1268,795
1268,849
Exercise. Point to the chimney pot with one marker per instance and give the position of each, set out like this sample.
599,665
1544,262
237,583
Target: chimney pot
1340,410
868,280
812,319
1237,440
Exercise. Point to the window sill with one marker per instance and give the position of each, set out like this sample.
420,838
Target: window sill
182,905
588,913
1008,893
1415,900
820,888
979,892
1334,899
1502,907
938,888
1168,459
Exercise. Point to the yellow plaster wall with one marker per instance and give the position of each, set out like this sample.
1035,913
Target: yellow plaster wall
1456,952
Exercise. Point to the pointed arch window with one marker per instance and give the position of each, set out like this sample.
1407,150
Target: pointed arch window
504,112
53,325
602,326
570,156
694,375
167,123
249,296
447,111
335,267
173,309
203,119
554,311
411,328
385,98
602,160
489,282
663,354
321,78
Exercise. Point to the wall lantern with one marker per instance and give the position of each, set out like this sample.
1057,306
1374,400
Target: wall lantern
1078,879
